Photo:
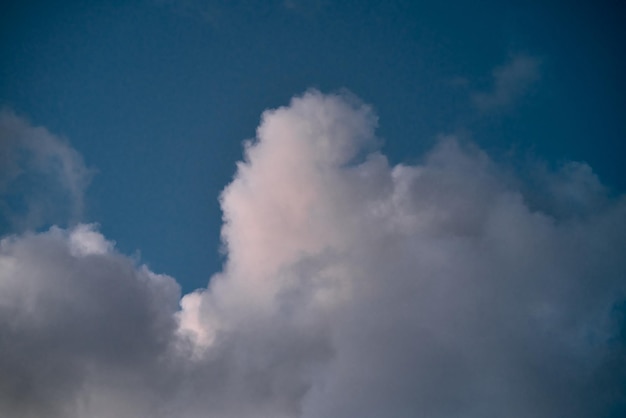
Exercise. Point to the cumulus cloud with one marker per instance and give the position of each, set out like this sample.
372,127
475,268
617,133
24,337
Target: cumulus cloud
352,287
510,82
42,178
79,322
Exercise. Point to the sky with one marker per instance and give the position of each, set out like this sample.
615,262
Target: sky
312,208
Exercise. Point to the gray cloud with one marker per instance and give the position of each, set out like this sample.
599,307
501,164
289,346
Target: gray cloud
75,315
42,178
352,288
510,82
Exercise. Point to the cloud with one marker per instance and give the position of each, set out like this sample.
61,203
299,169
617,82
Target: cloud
352,288
510,82
78,322
42,178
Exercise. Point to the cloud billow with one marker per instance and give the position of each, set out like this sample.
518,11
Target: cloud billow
352,287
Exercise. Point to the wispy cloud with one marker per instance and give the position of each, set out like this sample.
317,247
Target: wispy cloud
42,178
509,82
352,288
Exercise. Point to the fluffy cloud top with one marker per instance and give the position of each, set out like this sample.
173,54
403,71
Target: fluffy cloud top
78,321
352,288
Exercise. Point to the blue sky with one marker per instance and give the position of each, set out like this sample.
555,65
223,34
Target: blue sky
159,95
312,208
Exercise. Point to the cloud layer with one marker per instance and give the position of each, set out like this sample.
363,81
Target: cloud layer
352,287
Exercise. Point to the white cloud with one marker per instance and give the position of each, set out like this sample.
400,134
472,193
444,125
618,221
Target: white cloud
85,240
42,178
510,82
352,288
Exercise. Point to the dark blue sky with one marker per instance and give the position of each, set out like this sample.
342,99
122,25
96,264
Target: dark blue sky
158,95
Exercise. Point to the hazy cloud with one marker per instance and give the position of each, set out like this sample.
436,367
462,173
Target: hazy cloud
509,82
42,178
352,288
